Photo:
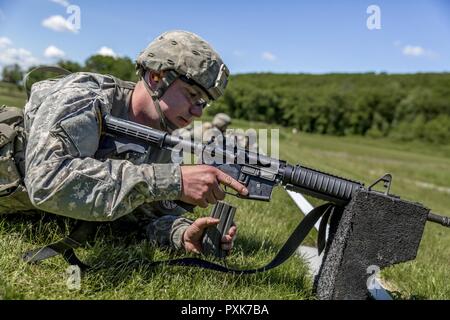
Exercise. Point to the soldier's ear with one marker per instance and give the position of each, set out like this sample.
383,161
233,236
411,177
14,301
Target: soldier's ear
152,78
155,77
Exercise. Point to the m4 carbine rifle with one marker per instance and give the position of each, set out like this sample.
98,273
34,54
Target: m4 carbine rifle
259,173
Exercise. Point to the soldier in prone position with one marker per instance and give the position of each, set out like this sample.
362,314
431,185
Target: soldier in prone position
72,169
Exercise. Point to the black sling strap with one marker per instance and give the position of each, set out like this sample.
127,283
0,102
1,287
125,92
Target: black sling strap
288,249
81,233
84,230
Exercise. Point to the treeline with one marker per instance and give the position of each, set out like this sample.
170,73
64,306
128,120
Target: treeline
121,67
406,107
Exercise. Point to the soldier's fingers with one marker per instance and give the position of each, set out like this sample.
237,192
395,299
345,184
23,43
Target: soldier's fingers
232,232
232,183
227,239
195,248
205,222
189,247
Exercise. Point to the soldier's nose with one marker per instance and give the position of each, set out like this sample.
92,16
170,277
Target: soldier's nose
196,110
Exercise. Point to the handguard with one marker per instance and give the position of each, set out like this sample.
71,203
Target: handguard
212,238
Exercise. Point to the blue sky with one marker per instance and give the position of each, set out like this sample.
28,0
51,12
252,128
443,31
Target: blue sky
251,36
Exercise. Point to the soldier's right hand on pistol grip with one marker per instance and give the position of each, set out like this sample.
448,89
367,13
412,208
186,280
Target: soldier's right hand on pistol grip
200,185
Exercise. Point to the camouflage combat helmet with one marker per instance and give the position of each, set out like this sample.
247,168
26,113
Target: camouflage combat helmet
186,55
221,121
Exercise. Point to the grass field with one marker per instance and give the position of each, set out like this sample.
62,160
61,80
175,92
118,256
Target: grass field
11,96
421,173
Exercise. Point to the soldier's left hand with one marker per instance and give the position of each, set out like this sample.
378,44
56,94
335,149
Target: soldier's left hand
192,237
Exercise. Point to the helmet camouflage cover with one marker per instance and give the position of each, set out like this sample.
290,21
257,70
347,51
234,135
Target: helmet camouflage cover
190,56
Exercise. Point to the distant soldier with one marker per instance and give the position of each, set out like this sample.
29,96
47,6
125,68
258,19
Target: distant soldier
199,132
221,121
185,133
216,129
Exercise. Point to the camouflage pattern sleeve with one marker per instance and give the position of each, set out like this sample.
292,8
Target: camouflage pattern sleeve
168,231
161,227
62,175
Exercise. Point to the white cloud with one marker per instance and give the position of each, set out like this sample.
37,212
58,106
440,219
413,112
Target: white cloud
22,57
58,23
105,51
10,55
417,51
64,3
268,56
53,52
5,42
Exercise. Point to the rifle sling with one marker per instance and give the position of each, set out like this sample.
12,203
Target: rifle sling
85,229
81,233
290,246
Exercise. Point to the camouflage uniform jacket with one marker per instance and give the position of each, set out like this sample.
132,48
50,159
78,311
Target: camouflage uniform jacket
68,172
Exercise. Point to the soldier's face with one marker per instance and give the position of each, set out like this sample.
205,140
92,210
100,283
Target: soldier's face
181,103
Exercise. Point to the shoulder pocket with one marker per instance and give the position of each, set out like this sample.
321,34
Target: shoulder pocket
81,129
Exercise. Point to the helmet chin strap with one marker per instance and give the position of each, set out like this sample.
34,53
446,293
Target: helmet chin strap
164,123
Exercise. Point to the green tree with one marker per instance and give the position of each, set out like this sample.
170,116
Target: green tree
438,130
122,68
12,74
70,65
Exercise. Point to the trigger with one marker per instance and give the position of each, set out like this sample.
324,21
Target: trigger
231,194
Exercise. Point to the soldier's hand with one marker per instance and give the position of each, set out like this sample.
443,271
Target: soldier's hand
201,185
227,241
192,237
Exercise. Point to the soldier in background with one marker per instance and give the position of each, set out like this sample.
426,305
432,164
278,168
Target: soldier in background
220,124
206,130
216,128
221,121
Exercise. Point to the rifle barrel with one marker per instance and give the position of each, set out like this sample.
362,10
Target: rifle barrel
442,220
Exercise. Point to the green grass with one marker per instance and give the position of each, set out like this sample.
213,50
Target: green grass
11,96
260,236
421,173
